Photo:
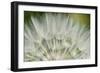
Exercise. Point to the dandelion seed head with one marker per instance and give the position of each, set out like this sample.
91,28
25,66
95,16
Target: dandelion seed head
55,36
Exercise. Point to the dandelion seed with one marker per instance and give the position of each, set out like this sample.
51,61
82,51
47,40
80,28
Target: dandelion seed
55,36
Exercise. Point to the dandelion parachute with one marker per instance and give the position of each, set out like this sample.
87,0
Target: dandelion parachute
55,36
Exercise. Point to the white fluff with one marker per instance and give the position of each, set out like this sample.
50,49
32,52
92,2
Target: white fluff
55,36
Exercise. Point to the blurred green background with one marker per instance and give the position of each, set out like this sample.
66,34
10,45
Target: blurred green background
84,19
